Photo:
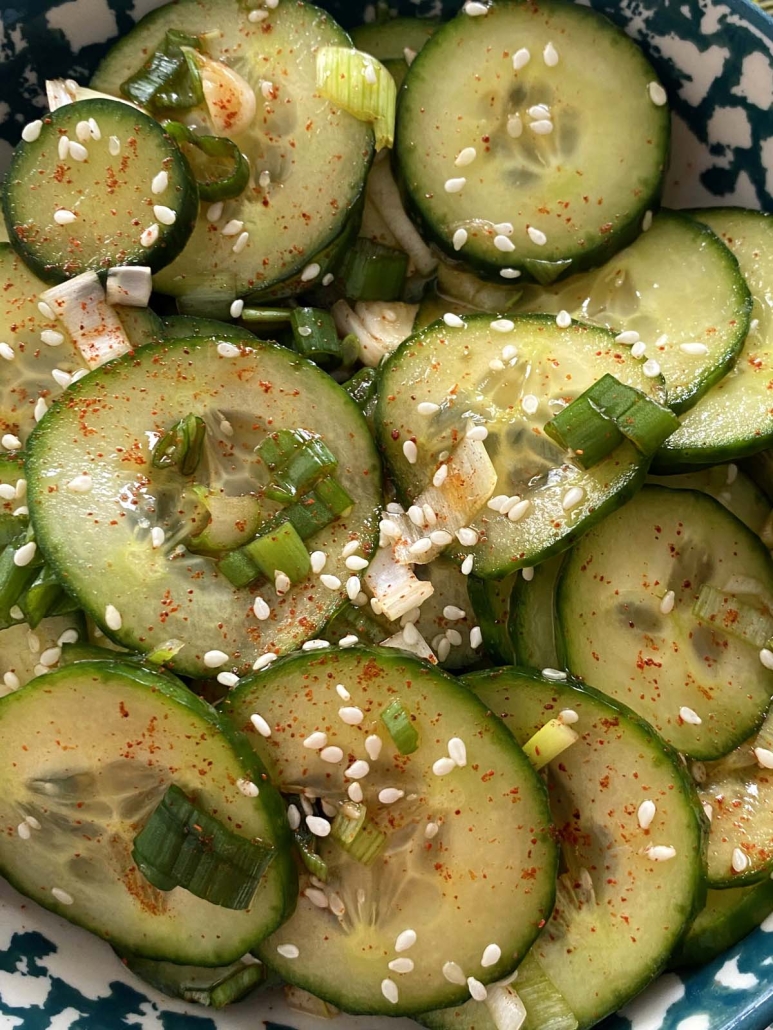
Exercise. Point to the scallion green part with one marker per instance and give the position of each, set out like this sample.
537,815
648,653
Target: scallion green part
582,429
307,848
360,85
362,386
546,1008
315,337
266,316
397,721
549,742
280,550
14,580
40,597
170,78
371,271
357,834
220,168
182,446
165,652
297,461
349,820
181,845
752,623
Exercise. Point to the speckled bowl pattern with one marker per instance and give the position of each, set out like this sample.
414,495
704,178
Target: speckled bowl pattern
716,59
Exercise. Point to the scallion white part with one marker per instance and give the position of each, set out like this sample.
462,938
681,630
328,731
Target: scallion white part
129,285
81,305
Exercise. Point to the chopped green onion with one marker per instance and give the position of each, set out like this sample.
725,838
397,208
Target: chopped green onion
40,597
10,527
359,621
315,337
220,168
372,271
727,613
307,846
238,568
356,834
362,386
181,845
549,742
330,493
213,987
297,461
506,1009
165,652
360,85
14,579
280,550
85,652
182,446
367,845
397,720
349,820
170,78
266,316
584,430
546,1007
277,448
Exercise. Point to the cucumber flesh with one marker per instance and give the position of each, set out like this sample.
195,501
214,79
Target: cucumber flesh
91,793
734,418
666,664
176,327
533,617
728,916
395,42
618,913
538,369
490,600
21,649
161,592
676,284
734,490
491,814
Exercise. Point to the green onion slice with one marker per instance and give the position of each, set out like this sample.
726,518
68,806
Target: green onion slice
315,337
549,742
729,614
372,271
170,78
181,845
357,834
360,85
221,169
182,446
397,720
297,460
584,430
40,597
546,1008
280,550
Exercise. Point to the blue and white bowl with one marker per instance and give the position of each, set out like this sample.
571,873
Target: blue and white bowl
716,59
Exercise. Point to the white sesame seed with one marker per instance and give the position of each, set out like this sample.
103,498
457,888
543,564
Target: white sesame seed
62,896
521,58
40,409
248,788
357,770
287,950
441,538
440,476
15,612
476,637
696,349
214,659
7,352
420,546
453,321
260,724
509,273
543,127
550,55
427,408
373,745
563,319
215,211
241,243
355,563
689,716
453,973
77,151
443,648
315,895
282,582
350,639
31,131
454,637
94,129
477,989
160,182
517,512
465,157
318,561
766,657
502,325
389,987
405,940
628,336
455,185
310,272
646,813
557,675
332,755
401,965
351,715
83,131
33,643
514,126
667,602
353,587
536,235
329,581
351,548
431,830
24,555
342,692
257,15
149,235
316,740
7,492
315,645
651,368
573,496
453,614
739,861
260,609
61,378
52,338
24,831
370,74
235,311
764,757
658,95
568,717
530,404
228,679
411,452
306,805
50,656
293,817
232,228
64,216
504,244
443,766
466,536
114,146
416,515
638,349
63,147
457,751
491,955
660,852
20,490
467,565
32,822
13,443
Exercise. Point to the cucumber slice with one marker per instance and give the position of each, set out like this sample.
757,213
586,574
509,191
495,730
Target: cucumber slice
90,793
533,626
734,418
395,42
21,649
214,987
582,189
163,592
116,221
727,484
538,369
490,600
141,325
178,327
439,616
677,284
726,919
291,136
490,819
28,362
619,913
617,631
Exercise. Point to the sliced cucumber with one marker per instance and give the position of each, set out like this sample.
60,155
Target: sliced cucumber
614,594
90,794
735,418
726,919
293,134
21,649
164,592
727,484
395,42
440,619
490,600
676,285
582,189
619,912
533,616
538,368
490,820
141,325
214,987
178,327
110,195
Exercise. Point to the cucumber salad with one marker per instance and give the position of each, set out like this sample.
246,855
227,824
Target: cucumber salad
386,592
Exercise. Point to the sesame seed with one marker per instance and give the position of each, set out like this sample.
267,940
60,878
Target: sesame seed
766,657
149,235
427,408
282,582
467,565
431,830
563,319
351,716
739,861
40,409
62,896
351,548
350,639
420,546
13,443
764,757
316,896
496,365
342,692
518,510
31,131
64,217
257,15
83,131
457,751
514,126
502,325
411,451
694,348
293,817
7,352
465,157
355,563
248,788
52,338
476,637
389,987
543,127
454,185
95,131
114,146
63,147
370,74
573,496
708,811
61,378
232,228
416,515
32,822
453,973
25,554
241,243
24,831
401,965
260,609
556,675
405,940
689,716
160,182
332,755
443,766
568,717
453,614
550,55
638,349
316,740
627,337
260,724
443,648
660,852
504,243
15,612
646,813
667,602
215,211
50,656
536,235
521,58
453,321
327,278
357,770
236,309
373,745
459,239
646,222
440,476
509,273
651,368
389,795
287,950
331,582
318,561
530,404
310,272
315,645
228,679
7,492
77,151
658,95
477,989
353,587
466,536
214,659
